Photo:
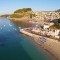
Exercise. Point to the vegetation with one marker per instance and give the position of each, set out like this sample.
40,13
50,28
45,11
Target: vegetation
58,24
23,10
16,16
32,15
58,20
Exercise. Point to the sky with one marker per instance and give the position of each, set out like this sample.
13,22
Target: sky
9,6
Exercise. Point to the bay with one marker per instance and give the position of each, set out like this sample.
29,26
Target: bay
17,46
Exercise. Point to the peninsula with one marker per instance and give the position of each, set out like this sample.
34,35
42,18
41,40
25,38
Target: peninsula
4,16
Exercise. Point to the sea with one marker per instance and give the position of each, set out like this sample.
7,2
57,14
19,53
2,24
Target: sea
17,46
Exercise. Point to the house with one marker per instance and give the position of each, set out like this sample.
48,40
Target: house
54,32
47,29
47,25
36,28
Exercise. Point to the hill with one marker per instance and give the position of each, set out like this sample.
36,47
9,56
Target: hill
22,13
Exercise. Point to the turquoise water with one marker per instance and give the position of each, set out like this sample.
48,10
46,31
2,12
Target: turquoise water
16,46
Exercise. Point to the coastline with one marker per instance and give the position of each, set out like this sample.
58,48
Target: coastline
51,45
19,19
45,49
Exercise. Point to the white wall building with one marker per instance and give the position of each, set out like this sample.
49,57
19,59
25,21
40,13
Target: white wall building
46,26
54,32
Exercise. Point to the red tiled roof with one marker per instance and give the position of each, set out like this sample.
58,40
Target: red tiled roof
54,28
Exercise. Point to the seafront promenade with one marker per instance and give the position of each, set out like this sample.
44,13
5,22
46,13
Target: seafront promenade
49,45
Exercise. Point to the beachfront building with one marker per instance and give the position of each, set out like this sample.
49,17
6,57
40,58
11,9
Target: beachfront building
47,29
54,32
46,26
46,20
51,31
36,28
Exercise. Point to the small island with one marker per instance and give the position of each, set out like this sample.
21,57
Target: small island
4,16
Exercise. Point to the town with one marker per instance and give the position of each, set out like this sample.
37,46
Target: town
30,30
45,32
46,24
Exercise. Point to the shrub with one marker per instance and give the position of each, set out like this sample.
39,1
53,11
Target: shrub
16,16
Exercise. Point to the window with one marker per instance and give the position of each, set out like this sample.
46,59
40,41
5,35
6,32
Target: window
53,30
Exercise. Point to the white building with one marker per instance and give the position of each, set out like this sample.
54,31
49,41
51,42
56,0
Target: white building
46,26
54,32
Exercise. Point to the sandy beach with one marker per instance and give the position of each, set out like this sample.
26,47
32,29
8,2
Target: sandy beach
51,45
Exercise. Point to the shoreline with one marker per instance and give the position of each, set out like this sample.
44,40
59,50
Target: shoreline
19,19
47,46
52,55
43,47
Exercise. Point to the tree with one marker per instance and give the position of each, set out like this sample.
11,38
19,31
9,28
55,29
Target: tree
23,10
57,25
30,15
16,16
58,20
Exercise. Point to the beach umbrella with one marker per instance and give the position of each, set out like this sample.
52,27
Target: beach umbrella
43,39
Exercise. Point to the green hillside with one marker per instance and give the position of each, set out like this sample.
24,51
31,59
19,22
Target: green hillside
23,10
20,13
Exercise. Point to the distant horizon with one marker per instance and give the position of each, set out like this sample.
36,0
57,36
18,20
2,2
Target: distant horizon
9,6
28,7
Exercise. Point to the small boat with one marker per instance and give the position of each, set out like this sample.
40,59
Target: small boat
4,25
19,27
10,25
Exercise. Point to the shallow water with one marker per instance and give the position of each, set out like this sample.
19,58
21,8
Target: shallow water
16,46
